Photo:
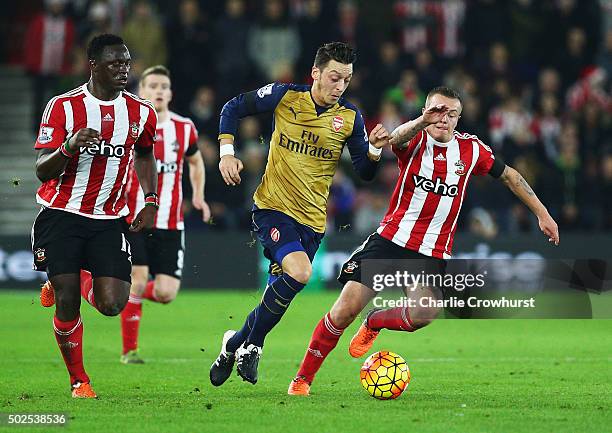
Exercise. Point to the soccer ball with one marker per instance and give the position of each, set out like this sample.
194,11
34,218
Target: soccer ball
385,375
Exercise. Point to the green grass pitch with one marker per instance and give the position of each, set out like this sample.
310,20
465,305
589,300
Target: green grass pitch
467,375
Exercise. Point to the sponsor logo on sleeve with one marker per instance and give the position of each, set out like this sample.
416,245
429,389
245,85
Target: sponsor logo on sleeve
265,90
46,135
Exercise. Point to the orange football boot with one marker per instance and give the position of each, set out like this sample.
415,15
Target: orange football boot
362,341
83,390
299,386
47,296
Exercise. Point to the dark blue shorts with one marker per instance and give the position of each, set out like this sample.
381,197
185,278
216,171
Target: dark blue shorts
280,235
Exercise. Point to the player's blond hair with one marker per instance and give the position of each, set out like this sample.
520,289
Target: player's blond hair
154,70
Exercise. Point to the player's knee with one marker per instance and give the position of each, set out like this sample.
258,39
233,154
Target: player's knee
112,305
165,295
301,274
138,287
343,314
67,299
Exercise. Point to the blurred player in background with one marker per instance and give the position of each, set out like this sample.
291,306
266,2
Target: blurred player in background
312,124
160,251
85,145
435,164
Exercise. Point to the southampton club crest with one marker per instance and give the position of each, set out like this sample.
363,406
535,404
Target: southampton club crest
134,130
40,255
460,168
350,267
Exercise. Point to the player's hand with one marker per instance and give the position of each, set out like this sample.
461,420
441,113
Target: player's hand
379,136
85,137
144,219
435,113
549,228
230,168
200,204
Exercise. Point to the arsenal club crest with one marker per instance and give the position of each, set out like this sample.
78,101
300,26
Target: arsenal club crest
337,123
460,168
134,130
274,234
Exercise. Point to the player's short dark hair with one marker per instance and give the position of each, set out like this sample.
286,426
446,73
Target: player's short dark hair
154,70
445,91
98,43
338,51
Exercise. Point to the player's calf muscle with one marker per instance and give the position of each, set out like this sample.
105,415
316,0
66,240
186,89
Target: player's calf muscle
140,275
352,300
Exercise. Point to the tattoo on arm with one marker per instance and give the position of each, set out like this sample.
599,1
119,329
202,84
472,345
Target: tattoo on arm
412,128
522,182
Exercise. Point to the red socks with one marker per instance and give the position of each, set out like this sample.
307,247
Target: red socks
69,336
87,288
149,292
324,339
131,315
130,323
397,319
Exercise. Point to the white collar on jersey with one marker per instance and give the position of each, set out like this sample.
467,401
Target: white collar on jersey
100,101
434,142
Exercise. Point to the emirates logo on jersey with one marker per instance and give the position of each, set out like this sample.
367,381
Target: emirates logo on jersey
460,168
337,123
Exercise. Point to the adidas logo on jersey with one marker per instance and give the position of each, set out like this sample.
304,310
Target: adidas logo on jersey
440,157
437,187
108,118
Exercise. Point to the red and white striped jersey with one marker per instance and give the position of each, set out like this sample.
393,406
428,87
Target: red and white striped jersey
93,183
425,204
175,138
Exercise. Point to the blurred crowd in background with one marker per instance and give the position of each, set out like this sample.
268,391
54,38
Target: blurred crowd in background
535,78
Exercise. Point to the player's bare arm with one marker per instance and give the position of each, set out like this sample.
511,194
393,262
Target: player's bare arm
146,170
51,163
406,132
229,165
519,186
197,177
